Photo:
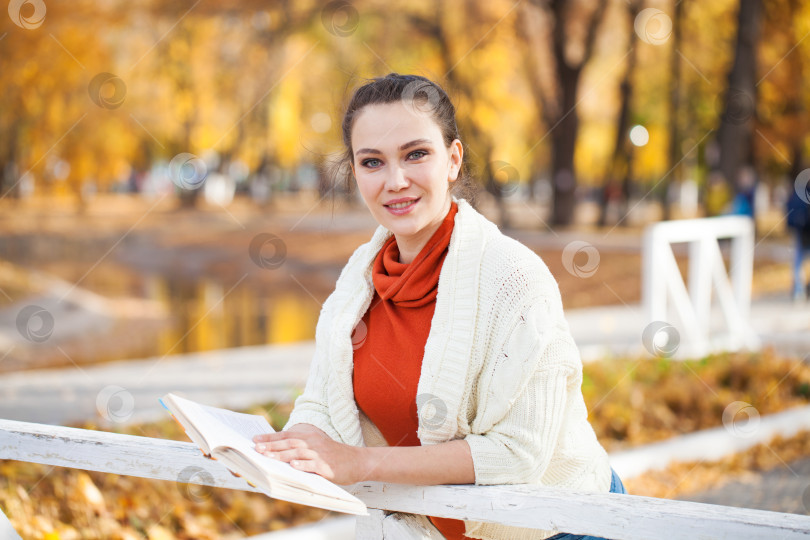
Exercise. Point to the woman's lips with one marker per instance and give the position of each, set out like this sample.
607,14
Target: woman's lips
404,209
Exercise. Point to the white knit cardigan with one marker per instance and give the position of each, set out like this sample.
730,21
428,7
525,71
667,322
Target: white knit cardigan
500,368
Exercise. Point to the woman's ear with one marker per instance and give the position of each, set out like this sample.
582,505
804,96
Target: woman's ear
456,155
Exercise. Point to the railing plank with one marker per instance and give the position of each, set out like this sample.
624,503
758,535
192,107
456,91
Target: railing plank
369,527
606,514
115,453
7,532
629,517
663,285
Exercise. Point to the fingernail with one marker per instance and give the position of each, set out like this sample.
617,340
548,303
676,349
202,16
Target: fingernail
260,448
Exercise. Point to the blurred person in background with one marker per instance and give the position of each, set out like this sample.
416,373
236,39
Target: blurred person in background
798,220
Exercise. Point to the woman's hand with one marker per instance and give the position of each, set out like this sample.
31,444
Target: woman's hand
309,449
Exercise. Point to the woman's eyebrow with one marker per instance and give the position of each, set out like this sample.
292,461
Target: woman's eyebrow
405,146
414,142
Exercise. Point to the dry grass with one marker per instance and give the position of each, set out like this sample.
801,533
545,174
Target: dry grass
637,401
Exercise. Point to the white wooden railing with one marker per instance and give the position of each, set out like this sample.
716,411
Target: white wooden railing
604,514
663,285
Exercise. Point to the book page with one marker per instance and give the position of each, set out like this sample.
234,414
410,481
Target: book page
247,425
229,437
222,427
314,491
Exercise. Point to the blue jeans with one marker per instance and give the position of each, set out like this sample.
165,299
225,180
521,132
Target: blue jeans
802,251
616,486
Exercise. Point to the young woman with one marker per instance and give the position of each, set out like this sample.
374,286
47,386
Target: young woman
442,356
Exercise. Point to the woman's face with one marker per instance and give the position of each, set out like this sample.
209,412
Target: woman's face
402,170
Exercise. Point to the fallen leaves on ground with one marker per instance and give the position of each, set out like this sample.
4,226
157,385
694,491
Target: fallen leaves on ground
54,503
638,401
681,478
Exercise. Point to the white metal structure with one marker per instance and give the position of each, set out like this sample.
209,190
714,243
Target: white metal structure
663,285
606,514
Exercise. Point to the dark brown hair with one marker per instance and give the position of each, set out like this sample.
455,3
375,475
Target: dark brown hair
418,92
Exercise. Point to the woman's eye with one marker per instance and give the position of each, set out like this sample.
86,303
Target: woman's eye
417,154
371,163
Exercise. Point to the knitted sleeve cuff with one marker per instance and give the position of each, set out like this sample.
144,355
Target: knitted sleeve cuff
495,463
518,448
304,415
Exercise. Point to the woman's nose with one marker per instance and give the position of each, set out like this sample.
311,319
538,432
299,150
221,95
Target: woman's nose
396,179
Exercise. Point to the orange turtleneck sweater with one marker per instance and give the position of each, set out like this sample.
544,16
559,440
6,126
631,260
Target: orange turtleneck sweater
388,363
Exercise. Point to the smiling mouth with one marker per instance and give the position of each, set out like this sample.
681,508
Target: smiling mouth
397,206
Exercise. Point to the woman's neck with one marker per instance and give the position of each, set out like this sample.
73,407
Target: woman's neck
410,246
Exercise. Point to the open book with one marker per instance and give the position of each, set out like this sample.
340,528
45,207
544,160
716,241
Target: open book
227,436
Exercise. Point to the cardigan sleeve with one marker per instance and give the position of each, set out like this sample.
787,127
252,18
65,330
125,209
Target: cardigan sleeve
529,377
311,407
328,400
518,448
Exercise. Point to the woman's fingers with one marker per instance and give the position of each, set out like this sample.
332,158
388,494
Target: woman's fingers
298,431
285,444
277,436
287,435
316,466
308,450
303,459
292,454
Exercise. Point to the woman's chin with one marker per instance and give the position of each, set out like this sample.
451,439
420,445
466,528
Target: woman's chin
403,230
396,224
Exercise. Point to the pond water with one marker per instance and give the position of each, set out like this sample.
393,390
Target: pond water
181,305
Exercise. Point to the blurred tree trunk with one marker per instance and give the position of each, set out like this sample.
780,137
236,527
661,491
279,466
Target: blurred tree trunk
736,132
797,121
9,170
795,124
495,189
620,162
524,30
180,72
558,108
13,123
675,151
436,28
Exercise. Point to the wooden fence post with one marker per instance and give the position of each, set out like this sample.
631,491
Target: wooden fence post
370,527
7,532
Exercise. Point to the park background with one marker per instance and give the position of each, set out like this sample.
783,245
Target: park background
165,190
